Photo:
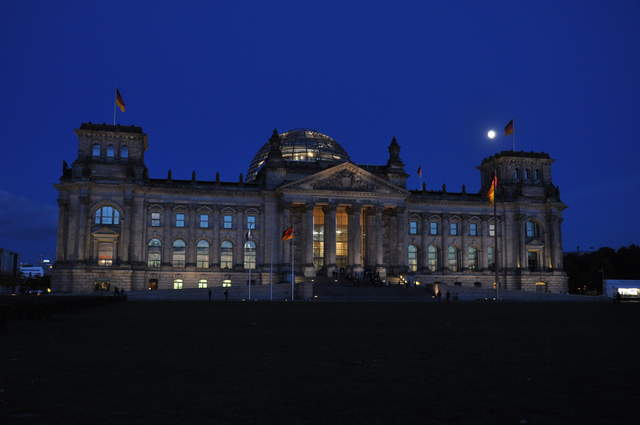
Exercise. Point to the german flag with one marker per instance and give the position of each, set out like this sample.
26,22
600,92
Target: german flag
287,234
120,101
508,129
420,171
492,190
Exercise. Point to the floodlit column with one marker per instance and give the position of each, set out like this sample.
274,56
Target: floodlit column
484,232
84,229
381,270
445,243
61,254
557,242
309,269
215,240
330,238
402,214
424,229
355,236
126,223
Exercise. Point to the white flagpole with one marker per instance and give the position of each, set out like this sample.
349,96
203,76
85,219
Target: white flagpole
293,276
114,106
513,129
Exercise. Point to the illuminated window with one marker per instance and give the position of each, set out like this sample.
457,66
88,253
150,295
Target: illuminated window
154,253
226,255
432,258
226,283
473,229
177,284
179,219
412,253
111,152
105,253
318,238
155,219
107,215
532,229
202,255
124,152
251,222
179,249
433,228
472,258
453,229
227,222
95,151
102,285
413,227
492,229
250,255
202,283
204,221
542,287
452,259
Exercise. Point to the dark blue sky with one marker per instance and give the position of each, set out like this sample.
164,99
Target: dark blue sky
208,81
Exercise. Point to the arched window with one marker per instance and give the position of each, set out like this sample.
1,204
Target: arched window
472,258
432,258
154,253
412,253
95,151
107,215
250,255
110,151
452,259
124,152
532,229
179,249
226,255
202,255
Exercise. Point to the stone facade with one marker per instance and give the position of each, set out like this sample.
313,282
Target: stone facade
119,227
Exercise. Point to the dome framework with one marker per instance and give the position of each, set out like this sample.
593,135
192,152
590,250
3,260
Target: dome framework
301,145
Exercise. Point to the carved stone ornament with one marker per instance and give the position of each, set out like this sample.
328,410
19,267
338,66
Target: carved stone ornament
344,180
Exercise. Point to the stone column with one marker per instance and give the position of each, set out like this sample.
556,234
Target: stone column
445,243
126,223
463,247
308,268
138,231
424,253
522,244
85,229
403,238
238,225
355,236
190,222
381,270
167,234
484,233
330,238
63,206
557,243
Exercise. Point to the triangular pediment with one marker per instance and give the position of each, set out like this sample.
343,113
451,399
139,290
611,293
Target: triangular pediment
535,242
345,177
104,232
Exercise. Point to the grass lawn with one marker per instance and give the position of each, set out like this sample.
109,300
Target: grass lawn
324,363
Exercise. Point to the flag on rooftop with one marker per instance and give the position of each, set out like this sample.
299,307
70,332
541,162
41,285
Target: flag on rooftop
120,101
508,129
492,190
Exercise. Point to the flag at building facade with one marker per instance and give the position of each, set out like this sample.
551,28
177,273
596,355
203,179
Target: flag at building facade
420,171
248,235
492,189
287,234
120,101
508,129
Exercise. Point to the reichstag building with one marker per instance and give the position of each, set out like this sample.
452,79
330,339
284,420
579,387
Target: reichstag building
120,227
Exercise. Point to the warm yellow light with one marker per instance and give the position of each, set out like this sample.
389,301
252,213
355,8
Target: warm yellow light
491,134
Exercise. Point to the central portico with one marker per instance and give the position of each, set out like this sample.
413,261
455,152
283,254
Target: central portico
339,215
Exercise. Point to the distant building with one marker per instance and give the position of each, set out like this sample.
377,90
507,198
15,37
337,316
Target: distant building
8,262
118,226
28,270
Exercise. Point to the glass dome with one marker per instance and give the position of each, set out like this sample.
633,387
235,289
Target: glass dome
301,145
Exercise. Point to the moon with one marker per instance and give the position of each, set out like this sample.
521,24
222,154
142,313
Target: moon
491,134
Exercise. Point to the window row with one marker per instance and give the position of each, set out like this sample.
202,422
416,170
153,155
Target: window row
454,228
527,175
179,249
202,283
96,151
204,221
453,258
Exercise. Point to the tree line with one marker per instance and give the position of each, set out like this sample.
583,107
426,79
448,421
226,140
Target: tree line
586,270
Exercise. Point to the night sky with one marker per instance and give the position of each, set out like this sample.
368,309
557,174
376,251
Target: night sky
208,81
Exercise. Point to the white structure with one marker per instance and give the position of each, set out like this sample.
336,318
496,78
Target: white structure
31,271
626,288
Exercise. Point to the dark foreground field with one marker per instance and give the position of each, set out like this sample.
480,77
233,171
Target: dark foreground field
199,363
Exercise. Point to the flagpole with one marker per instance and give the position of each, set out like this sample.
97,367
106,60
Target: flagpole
292,260
495,235
271,275
514,135
114,106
